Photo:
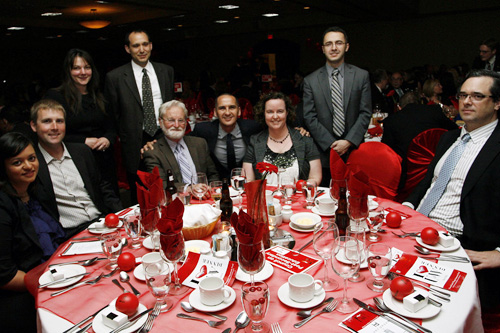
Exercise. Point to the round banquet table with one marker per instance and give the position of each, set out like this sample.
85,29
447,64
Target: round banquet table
56,314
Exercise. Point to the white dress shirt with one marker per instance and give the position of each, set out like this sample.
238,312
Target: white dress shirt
155,85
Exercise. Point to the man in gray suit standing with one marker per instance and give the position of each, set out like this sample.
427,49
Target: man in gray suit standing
337,101
134,93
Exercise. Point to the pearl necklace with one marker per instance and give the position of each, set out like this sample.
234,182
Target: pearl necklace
279,141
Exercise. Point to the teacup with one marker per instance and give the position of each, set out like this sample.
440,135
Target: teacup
325,205
303,287
213,291
152,259
275,220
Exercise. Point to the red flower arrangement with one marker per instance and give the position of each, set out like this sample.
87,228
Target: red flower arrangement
265,168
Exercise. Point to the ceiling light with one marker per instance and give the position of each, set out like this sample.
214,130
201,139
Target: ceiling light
270,15
221,21
307,7
236,17
15,28
94,23
229,7
169,29
51,14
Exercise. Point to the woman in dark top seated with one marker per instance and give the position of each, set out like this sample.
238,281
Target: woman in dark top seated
279,144
28,235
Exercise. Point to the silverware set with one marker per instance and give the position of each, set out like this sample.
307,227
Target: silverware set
211,323
148,325
327,309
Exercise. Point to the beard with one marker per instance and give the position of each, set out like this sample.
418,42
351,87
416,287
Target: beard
173,133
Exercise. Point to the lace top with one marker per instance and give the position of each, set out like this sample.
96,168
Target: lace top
287,160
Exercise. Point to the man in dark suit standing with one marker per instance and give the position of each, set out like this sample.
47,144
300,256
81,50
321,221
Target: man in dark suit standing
134,93
487,56
380,81
228,136
70,186
337,101
461,189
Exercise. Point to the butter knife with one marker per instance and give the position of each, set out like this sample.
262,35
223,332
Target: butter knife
62,280
132,321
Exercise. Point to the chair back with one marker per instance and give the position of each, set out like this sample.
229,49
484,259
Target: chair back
246,108
381,164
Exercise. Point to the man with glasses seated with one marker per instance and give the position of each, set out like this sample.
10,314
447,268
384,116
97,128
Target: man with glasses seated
461,189
184,155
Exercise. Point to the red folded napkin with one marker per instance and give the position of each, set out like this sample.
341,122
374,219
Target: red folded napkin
338,168
151,194
246,230
358,183
171,218
376,131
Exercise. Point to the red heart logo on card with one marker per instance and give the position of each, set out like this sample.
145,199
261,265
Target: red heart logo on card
202,272
422,269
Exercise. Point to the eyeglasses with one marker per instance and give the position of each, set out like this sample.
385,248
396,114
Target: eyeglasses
338,43
477,97
172,121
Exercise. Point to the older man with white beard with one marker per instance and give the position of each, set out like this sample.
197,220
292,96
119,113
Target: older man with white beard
184,155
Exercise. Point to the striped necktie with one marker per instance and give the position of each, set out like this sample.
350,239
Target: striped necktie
148,106
444,176
183,164
338,110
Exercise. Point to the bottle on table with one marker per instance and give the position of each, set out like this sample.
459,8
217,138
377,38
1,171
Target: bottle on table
171,189
226,206
341,217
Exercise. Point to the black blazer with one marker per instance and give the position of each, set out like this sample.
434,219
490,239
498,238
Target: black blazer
479,209
100,191
210,130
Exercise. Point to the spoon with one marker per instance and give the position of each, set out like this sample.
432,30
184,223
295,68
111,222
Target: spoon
242,321
307,313
381,305
423,250
186,306
124,277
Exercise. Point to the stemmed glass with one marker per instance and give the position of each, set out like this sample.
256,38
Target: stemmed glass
238,180
347,250
216,190
255,298
158,280
335,185
112,246
149,220
324,242
172,250
199,185
357,231
379,263
309,190
357,208
251,258
375,221
133,228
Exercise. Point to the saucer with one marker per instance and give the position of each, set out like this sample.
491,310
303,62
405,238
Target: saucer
372,204
341,257
139,272
148,243
99,327
395,305
67,270
93,229
283,295
439,247
264,274
315,210
294,227
194,299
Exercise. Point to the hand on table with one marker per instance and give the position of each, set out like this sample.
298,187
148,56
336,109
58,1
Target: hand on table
484,259
341,146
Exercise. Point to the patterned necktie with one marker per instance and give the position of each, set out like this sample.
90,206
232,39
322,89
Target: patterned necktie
231,155
183,164
148,106
444,176
338,110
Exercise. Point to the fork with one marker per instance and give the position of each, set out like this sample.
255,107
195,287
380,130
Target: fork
328,308
210,323
110,274
275,327
90,282
148,325
407,234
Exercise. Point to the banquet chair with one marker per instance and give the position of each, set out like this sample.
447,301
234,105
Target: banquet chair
421,151
246,108
381,164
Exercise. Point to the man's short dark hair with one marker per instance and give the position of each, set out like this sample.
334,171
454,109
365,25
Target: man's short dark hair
335,29
491,43
409,98
379,75
137,31
495,87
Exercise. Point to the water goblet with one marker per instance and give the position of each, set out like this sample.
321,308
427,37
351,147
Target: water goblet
379,263
238,180
133,228
149,220
357,231
172,250
357,208
255,298
375,221
216,190
158,279
324,237
251,258
335,185
184,193
309,190
288,185
112,246
345,263
199,185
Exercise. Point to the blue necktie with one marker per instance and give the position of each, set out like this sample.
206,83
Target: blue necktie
183,164
444,177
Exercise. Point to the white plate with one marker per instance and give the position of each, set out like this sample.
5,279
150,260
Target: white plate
439,247
283,295
139,272
148,243
194,299
196,246
99,327
315,210
103,230
395,305
264,274
314,217
341,257
67,270
292,226
372,204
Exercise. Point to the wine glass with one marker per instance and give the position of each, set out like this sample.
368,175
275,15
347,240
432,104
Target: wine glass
216,190
345,264
309,190
184,194
375,221
357,208
379,263
238,180
255,298
149,220
112,246
158,280
199,185
288,185
324,237
335,185
251,258
172,250
133,228
357,231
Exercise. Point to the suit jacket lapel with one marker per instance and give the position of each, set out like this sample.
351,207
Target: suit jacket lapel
169,155
160,75
129,78
324,84
348,82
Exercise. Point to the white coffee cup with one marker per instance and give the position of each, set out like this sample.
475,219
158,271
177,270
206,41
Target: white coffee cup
213,291
275,219
152,259
303,287
325,205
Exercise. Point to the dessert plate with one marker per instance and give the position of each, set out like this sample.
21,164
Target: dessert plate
439,247
67,270
395,305
264,274
97,228
99,327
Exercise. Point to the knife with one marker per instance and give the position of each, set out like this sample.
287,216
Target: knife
132,321
394,321
61,280
89,317
75,262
